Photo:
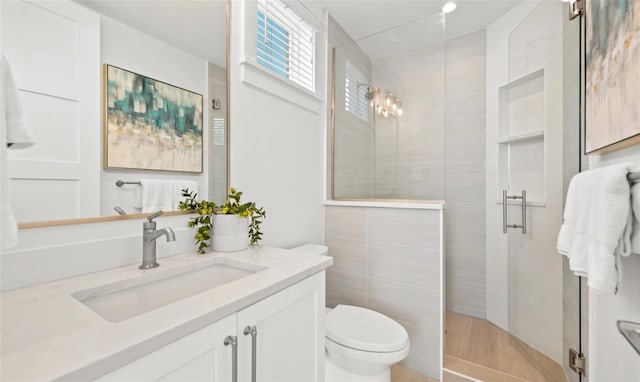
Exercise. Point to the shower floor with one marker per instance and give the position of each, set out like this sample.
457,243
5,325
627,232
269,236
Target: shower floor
481,350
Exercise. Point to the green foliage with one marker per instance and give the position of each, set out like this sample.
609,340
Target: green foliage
231,206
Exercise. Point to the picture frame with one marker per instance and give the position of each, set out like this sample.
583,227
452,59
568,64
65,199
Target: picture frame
149,124
612,80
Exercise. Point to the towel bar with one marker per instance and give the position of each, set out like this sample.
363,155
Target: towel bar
633,177
121,183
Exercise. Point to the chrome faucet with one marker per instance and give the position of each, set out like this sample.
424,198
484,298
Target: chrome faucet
149,236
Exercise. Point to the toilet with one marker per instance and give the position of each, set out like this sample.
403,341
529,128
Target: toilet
360,344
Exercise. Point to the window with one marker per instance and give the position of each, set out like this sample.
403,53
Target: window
355,92
285,43
218,131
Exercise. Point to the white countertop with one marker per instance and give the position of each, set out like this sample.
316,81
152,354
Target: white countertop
48,334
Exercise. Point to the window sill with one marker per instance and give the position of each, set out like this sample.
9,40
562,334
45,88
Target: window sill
255,75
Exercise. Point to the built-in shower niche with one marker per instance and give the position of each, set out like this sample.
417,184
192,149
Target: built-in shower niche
521,128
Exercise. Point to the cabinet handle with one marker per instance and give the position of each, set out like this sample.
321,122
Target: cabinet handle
233,341
504,211
254,337
524,212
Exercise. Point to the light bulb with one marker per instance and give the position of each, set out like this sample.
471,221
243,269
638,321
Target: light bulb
386,113
449,7
400,111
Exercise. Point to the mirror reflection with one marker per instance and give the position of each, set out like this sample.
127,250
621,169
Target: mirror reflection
57,50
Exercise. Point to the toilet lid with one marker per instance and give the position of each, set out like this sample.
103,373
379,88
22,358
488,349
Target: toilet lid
364,329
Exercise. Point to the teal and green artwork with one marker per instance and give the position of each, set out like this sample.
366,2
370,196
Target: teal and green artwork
612,74
150,124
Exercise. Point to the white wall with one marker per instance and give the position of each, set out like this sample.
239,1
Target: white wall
138,52
611,358
277,146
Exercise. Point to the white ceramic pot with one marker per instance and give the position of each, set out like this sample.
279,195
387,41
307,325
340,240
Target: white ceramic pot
230,233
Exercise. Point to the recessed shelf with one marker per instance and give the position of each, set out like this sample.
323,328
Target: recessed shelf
521,80
539,134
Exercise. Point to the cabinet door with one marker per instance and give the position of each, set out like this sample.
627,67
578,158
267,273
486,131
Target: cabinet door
199,356
290,334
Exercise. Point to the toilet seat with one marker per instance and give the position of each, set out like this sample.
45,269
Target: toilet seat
365,330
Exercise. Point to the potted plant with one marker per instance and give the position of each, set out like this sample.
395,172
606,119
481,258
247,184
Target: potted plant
231,226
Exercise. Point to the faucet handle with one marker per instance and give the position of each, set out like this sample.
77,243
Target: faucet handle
154,215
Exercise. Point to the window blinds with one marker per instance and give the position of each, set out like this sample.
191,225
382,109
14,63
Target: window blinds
355,92
285,43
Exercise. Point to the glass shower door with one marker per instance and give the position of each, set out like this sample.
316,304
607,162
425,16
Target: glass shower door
531,167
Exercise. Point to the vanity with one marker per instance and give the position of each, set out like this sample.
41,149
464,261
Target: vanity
252,315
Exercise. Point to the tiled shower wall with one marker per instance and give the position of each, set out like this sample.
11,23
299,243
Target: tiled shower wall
465,173
437,150
389,260
409,150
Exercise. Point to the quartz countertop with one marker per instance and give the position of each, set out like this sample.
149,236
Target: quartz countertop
48,334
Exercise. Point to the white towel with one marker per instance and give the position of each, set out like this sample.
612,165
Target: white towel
16,134
11,132
137,202
635,206
597,225
157,194
179,185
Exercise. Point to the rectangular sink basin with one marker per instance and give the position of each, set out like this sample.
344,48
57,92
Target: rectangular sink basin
125,299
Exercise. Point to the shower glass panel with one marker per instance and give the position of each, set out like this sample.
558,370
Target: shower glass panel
531,165
388,112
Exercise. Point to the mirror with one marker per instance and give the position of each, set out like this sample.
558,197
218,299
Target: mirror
57,50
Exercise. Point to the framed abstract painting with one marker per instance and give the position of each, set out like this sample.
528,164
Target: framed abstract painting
612,90
150,124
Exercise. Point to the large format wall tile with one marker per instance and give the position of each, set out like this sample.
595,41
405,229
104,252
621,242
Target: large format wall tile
404,303
345,222
404,227
348,255
418,267
346,288
425,349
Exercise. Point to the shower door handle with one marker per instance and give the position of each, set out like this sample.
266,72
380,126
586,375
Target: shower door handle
505,216
233,341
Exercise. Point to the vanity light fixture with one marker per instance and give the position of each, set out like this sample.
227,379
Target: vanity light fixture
449,7
384,103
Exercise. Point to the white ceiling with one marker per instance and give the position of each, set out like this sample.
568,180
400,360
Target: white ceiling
387,27
362,18
198,26
195,26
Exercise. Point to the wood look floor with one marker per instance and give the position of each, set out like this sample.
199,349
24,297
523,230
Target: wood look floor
481,350
401,373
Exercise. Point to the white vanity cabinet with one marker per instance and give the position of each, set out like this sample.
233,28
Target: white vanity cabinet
288,344
199,356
